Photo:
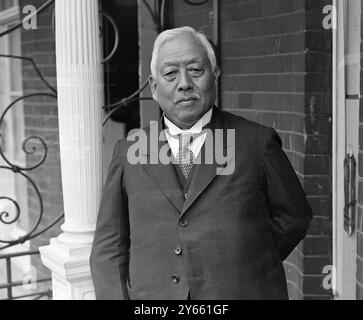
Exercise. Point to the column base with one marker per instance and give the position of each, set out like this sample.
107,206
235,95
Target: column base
71,273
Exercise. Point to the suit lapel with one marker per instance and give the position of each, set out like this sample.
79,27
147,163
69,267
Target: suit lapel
164,175
204,173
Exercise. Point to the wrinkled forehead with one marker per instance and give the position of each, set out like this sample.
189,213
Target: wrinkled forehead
181,49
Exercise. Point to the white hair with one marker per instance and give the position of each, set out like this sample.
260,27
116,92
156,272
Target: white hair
178,32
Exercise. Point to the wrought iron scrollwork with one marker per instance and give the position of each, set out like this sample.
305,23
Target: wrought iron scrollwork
5,215
27,140
117,36
16,169
29,148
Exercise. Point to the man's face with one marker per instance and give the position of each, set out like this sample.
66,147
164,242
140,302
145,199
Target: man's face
184,84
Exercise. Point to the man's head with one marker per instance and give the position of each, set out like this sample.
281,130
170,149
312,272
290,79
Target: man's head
184,75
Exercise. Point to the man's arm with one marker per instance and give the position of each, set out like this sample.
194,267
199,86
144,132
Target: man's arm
290,213
110,252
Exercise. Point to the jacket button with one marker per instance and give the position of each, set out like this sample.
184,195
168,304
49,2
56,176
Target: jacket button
186,196
175,278
178,251
183,223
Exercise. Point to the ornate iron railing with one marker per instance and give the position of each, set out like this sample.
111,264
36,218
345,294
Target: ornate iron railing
158,14
10,285
5,217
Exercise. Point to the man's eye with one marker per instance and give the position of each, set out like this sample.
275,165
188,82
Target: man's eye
170,75
195,72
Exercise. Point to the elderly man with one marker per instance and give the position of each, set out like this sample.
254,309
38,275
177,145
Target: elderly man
190,228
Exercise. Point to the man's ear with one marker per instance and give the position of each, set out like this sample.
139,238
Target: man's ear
217,73
152,84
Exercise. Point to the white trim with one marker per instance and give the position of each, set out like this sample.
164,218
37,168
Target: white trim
345,133
338,128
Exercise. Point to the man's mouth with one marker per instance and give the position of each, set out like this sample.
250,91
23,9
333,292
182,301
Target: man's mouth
187,100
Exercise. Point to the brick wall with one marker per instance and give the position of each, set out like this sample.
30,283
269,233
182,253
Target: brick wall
41,119
199,17
276,70
359,287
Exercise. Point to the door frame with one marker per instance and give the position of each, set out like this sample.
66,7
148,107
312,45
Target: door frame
346,94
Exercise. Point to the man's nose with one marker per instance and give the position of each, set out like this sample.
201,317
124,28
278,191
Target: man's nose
185,82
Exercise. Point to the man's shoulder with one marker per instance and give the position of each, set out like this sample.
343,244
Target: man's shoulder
244,125
257,136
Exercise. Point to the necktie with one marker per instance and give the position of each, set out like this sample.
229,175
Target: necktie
185,155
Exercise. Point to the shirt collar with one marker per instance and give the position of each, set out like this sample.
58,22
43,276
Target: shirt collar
195,129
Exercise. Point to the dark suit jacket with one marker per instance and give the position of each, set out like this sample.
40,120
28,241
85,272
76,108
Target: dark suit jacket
234,230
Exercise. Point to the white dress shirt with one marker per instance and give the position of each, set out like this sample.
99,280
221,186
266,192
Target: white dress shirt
173,131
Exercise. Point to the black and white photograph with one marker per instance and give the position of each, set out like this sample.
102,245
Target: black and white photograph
181,154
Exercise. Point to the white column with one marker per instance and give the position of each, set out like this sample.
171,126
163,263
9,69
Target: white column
80,100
